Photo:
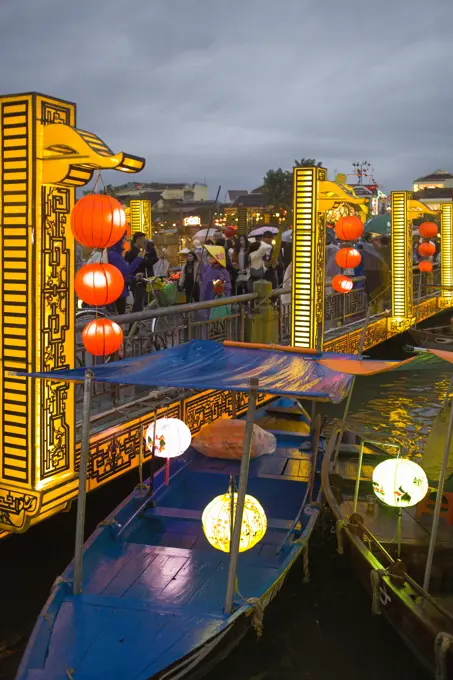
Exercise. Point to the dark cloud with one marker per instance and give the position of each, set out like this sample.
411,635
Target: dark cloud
226,89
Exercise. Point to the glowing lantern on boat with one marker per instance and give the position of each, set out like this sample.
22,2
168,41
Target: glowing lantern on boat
426,249
425,266
342,284
428,230
348,258
98,221
171,437
349,228
216,521
399,482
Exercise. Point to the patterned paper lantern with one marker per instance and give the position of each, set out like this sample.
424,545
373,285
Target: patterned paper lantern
98,221
349,228
428,230
342,284
102,337
99,284
216,522
426,249
348,258
399,482
425,266
172,437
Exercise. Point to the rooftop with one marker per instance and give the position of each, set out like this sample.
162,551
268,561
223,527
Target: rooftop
235,193
254,200
437,175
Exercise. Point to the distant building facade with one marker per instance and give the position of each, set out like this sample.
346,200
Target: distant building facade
171,191
435,189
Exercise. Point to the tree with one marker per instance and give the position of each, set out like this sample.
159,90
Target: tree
277,184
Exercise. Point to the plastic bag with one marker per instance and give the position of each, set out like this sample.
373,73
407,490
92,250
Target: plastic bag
224,438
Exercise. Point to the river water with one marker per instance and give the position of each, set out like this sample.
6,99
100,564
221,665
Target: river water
319,631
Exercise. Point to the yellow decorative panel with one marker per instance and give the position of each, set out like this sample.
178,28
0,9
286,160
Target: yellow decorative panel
307,300
446,254
402,280
140,216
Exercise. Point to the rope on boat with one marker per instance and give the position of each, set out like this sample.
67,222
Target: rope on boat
257,609
442,644
306,564
375,576
59,580
109,522
258,615
340,525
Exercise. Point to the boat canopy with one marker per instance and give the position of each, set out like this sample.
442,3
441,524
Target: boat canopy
209,365
206,364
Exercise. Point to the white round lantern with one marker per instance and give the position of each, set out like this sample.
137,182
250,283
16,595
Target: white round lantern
171,437
399,482
216,522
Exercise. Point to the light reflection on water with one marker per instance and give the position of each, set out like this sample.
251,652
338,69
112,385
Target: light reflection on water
394,407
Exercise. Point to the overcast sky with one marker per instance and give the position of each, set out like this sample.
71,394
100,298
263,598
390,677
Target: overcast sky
226,89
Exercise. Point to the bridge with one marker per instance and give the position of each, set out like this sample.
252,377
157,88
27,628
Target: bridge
44,158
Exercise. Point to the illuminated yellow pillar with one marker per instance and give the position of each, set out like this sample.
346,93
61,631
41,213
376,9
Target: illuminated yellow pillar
446,255
43,158
242,221
140,216
308,271
402,261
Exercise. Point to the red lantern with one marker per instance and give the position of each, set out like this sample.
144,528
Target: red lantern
349,228
98,221
230,231
348,258
342,284
428,230
425,266
102,337
99,284
426,249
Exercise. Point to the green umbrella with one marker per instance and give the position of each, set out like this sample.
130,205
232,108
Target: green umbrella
379,224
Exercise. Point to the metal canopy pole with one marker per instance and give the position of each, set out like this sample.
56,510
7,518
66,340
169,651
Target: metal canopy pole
81,498
440,491
242,488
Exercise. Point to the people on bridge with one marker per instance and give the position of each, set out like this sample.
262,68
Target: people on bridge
211,271
162,265
239,258
128,270
189,281
138,286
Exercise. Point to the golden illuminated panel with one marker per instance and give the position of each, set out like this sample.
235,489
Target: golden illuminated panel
140,217
402,295
242,221
446,252
307,299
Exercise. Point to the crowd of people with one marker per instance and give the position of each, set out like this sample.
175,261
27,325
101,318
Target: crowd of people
243,263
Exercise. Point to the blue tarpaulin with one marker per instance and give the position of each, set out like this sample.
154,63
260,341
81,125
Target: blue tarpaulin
204,364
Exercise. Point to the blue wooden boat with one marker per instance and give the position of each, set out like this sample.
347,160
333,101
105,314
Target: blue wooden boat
151,602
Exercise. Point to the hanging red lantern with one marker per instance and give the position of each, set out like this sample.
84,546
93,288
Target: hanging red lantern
348,258
428,230
425,266
426,249
99,284
102,337
349,228
342,284
230,231
98,221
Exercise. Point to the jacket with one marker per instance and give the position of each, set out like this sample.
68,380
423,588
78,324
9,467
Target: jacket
147,263
115,255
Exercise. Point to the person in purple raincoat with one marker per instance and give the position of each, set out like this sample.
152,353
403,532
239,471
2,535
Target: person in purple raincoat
115,255
209,272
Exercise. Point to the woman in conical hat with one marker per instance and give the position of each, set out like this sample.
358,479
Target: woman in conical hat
213,270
